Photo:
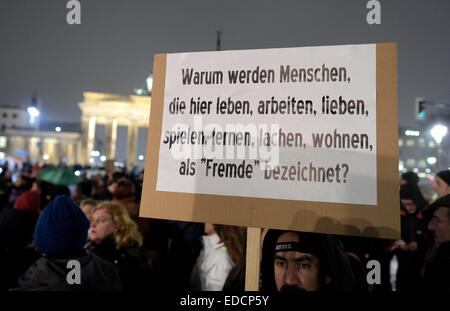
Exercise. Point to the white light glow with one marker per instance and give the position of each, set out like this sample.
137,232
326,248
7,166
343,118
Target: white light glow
46,157
95,153
141,157
412,133
58,129
431,160
77,173
103,158
33,112
438,132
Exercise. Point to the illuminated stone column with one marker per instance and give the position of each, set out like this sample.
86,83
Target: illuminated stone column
27,147
91,138
110,140
87,138
70,153
16,142
132,144
79,153
60,151
40,149
33,150
84,139
50,155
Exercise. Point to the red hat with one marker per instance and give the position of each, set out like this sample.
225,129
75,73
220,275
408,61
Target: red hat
29,200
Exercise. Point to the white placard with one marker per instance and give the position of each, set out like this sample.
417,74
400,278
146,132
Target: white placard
293,123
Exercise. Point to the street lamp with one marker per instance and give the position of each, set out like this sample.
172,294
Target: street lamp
431,160
33,111
438,132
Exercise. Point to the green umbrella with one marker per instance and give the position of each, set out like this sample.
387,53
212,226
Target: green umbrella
59,176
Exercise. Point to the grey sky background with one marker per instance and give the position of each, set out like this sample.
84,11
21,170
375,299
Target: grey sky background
112,50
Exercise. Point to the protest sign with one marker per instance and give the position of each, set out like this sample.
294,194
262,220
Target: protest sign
295,138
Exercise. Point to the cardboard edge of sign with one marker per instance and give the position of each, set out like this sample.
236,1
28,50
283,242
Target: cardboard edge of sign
377,221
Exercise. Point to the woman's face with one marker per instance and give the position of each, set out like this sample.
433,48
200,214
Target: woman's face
409,205
102,226
441,187
209,229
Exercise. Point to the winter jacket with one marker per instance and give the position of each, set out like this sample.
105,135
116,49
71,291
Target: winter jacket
213,265
414,229
50,274
131,263
437,271
16,227
183,242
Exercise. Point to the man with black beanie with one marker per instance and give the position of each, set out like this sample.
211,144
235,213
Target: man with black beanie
442,183
301,261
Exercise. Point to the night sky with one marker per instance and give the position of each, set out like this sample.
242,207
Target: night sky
112,50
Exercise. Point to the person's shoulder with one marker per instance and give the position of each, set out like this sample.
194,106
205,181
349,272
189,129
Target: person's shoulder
11,212
99,261
443,252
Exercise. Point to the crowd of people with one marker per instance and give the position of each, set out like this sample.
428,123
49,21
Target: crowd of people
45,226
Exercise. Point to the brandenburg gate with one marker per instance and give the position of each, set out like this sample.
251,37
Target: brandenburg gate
112,110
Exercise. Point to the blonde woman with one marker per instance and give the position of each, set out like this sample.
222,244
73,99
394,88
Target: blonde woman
114,236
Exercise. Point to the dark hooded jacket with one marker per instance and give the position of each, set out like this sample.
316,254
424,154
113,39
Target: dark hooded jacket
50,274
333,260
437,271
413,229
16,233
131,263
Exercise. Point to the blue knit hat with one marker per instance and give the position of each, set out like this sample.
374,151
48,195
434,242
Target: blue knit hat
62,228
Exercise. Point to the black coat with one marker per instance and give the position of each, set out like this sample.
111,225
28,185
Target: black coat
437,271
50,274
414,229
132,264
16,228
16,232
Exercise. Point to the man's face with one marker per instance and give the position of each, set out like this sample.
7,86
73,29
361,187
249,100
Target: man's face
441,187
409,205
440,226
295,270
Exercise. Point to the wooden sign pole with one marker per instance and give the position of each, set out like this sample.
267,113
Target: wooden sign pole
253,259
